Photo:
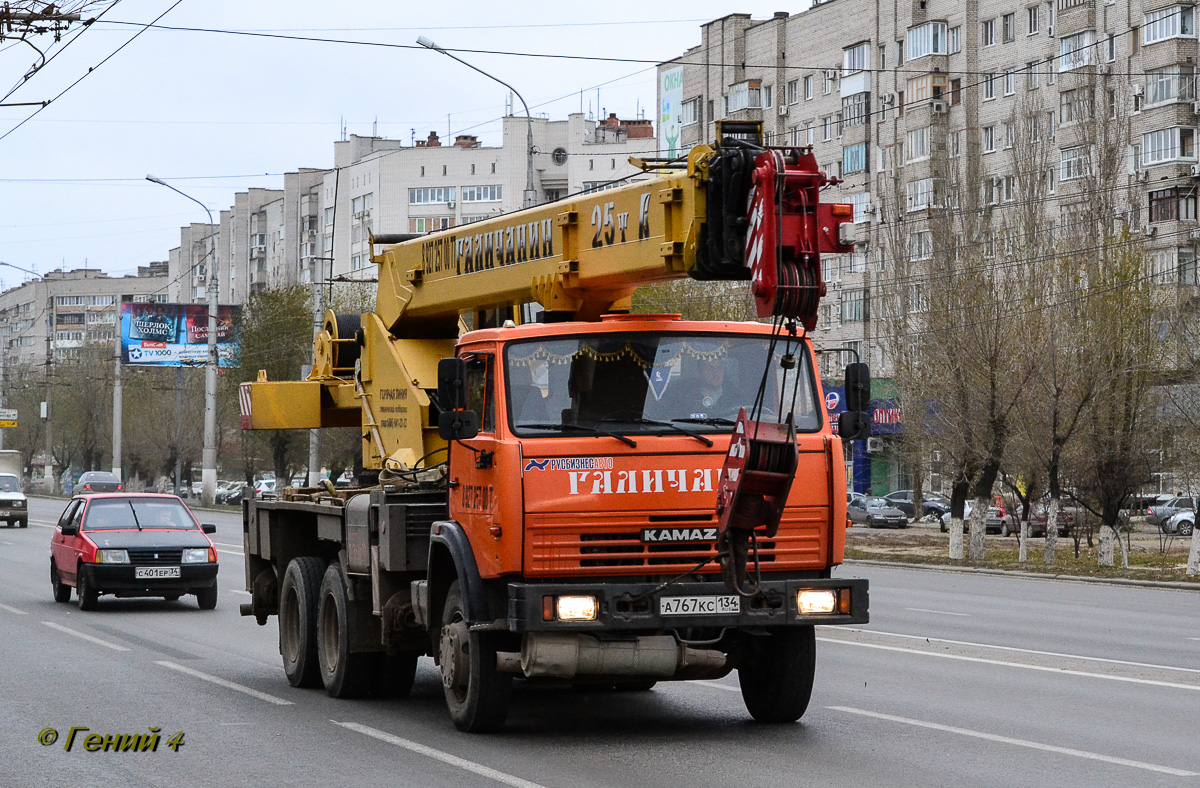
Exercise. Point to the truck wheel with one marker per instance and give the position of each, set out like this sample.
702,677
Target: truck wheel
88,597
344,673
62,591
476,693
394,674
206,598
777,680
298,621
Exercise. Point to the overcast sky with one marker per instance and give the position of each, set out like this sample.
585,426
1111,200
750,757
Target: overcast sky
216,113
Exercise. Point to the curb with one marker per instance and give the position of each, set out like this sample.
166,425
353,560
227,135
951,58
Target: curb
1116,581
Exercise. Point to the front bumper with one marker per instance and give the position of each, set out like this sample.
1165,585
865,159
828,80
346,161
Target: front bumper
617,613
118,579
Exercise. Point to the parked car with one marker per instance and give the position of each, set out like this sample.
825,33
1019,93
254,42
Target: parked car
876,513
132,545
14,507
265,487
1039,513
1182,522
992,524
98,482
1159,514
932,503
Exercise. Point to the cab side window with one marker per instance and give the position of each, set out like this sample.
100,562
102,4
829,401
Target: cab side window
481,390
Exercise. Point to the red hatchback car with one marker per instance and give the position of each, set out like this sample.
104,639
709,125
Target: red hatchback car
131,545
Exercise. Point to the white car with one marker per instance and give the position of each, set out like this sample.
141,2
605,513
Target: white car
14,508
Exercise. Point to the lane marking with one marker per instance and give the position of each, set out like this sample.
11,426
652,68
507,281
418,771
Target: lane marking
12,609
715,685
14,544
231,552
240,591
1015,649
1002,663
224,544
82,636
438,755
938,612
1152,767
225,683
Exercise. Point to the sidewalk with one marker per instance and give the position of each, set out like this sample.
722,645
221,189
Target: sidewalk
1117,581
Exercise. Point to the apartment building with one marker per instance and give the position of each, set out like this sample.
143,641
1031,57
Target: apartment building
64,310
884,91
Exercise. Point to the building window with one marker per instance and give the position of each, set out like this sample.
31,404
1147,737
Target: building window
925,87
1033,77
689,115
989,87
434,194
827,128
808,87
855,110
1008,136
1111,48
827,86
1167,145
1010,81
1171,22
70,300
768,96
745,95
1073,163
1034,14
954,40
987,33
854,158
1074,105
1187,267
1177,83
793,91
954,144
860,201
920,245
989,139
927,39
1167,205
1009,27
482,193
808,133
855,306
955,92
917,145
918,194
1077,51
856,58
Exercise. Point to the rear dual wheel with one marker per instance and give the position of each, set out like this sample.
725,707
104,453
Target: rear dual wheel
298,594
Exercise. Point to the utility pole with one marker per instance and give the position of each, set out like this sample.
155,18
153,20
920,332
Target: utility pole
118,400
51,488
314,436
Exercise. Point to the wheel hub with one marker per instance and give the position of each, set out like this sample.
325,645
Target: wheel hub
452,655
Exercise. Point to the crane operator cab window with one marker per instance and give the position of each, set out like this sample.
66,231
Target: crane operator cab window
653,383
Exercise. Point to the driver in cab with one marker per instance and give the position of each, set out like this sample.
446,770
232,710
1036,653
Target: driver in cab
708,391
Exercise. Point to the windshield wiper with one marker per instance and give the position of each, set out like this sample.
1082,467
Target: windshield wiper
581,428
710,421
136,521
656,423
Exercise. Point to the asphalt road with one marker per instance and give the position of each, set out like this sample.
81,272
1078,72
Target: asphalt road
960,680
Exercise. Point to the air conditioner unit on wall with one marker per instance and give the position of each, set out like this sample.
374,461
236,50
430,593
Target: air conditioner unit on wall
1151,230
939,107
1195,170
1194,235
1139,89
874,445
1143,175
783,109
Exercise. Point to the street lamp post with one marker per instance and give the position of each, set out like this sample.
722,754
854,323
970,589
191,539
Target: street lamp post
209,456
4,353
530,193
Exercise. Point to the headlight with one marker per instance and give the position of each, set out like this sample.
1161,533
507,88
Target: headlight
112,556
816,601
195,555
576,608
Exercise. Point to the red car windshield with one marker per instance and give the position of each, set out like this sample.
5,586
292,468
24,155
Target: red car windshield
114,514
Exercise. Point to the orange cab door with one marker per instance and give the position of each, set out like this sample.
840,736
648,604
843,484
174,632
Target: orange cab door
474,501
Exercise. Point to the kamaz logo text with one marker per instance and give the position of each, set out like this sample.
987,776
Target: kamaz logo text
707,534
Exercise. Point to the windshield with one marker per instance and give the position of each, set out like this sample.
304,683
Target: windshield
9,484
879,503
118,513
651,383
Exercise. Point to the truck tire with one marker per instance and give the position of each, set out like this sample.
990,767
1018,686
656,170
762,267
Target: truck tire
344,673
88,597
298,621
62,591
394,674
477,694
777,680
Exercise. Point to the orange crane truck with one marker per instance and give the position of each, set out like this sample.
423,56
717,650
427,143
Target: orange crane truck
591,496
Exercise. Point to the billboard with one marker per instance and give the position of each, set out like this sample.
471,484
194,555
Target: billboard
174,335
670,109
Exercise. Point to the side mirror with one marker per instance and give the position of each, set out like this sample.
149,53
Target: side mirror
457,425
452,384
208,528
858,386
70,530
854,425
